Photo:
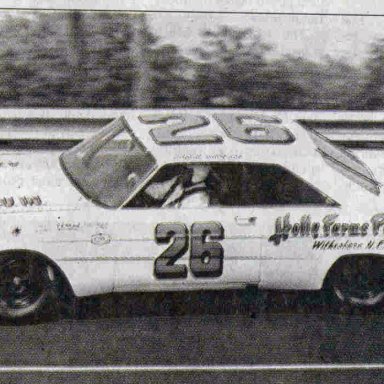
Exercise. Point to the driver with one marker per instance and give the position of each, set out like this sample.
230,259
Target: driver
193,194
186,190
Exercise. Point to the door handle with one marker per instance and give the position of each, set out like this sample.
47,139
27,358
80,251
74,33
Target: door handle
251,220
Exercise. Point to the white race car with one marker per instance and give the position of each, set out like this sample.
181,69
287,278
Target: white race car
160,201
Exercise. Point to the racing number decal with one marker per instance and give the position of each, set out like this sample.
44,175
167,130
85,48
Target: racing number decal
206,256
260,129
165,267
245,128
168,134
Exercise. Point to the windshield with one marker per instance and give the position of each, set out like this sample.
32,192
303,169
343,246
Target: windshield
345,163
108,167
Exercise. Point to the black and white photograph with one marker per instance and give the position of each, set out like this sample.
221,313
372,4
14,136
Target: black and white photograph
192,193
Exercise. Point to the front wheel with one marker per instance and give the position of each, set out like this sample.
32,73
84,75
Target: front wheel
359,282
27,285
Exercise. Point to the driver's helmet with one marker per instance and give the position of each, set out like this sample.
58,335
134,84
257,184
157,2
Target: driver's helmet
167,173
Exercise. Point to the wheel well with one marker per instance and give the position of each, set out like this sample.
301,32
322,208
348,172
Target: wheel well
65,288
348,258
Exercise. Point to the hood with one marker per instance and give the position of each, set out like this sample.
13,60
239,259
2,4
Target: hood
35,180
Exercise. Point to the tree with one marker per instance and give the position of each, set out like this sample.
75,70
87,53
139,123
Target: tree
230,67
142,85
371,95
329,84
171,84
233,69
77,45
76,59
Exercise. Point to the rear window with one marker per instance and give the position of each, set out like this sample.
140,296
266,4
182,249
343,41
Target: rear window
345,163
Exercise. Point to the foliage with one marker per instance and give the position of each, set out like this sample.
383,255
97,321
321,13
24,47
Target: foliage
89,59
68,59
231,68
371,95
235,71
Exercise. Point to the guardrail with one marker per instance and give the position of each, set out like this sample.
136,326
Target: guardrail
62,128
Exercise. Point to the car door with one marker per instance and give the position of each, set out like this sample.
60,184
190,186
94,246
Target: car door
171,248
293,217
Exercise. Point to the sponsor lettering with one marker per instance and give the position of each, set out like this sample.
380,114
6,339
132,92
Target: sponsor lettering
25,201
329,226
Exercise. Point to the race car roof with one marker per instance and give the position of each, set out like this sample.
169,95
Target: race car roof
296,151
213,143
241,136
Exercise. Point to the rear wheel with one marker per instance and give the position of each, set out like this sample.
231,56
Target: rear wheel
358,282
27,285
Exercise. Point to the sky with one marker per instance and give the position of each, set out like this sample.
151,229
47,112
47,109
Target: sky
312,37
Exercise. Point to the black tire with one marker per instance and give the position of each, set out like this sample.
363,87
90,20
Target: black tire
358,282
27,286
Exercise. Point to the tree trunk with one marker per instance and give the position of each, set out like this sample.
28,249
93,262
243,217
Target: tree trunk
142,83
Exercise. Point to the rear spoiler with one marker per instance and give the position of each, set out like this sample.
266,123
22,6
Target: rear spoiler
62,128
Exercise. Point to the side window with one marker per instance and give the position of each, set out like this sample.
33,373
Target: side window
226,185
166,189
244,184
179,186
270,184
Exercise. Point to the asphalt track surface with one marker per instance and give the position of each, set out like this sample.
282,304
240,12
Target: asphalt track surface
229,336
